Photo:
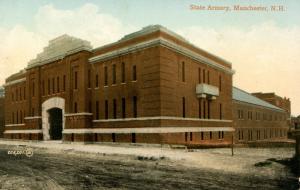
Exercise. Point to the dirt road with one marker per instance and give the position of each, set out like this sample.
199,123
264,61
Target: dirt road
67,169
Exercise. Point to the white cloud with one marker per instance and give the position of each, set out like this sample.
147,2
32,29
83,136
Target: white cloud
265,57
20,44
86,22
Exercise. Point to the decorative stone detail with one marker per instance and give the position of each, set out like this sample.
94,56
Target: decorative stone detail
58,48
55,102
205,90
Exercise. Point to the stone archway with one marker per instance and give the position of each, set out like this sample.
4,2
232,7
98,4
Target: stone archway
55,102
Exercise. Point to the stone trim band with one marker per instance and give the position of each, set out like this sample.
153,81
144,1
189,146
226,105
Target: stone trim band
160,117
14,82
167,44
24,131
147,130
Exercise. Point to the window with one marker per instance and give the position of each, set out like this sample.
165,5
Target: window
20,93
57,81
186,136
33,89
105,76
13,117
97,110
191,136
203,75
239,135
12,97
208,77
123,72
106,109
219,134
199,107
134,73
89,78
249,137
199,75
250,115
115,108
123,108
90,106
53,85
183,106
32,112
202,136
43,87
220,82
204,109
134,106
16,94
114,79
75,80
75,107
24,94
208,109
64,83
17,117
21,116
97,81
210,135
222,133
183,72
220,108
48,86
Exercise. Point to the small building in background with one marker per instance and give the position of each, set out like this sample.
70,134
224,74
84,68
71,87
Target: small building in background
256,120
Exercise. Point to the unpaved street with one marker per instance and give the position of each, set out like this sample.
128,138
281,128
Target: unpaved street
67,169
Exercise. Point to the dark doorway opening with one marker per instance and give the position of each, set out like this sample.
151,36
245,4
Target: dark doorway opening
133,140
55,121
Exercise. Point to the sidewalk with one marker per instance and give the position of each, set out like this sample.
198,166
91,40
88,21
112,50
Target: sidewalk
146,150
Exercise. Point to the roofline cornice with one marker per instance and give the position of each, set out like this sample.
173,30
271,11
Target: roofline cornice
163,42
154,28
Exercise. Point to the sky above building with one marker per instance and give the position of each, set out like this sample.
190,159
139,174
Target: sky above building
263,45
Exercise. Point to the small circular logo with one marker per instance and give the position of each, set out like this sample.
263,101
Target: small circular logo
29,152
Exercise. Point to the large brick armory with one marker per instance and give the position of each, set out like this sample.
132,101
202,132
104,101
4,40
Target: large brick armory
152,86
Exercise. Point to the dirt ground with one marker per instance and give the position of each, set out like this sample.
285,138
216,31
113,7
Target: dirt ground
69,169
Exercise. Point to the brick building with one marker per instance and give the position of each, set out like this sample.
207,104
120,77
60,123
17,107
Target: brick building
151,86
257,120
272,98
295,122
2,123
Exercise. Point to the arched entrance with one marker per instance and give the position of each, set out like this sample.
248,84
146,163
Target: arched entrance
53,121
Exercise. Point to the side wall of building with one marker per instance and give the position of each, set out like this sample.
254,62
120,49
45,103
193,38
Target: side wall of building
255,123
2,116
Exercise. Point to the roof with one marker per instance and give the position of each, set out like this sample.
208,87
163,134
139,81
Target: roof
243,96
153,28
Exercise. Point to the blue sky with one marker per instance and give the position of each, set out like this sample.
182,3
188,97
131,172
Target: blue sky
262,46
171,13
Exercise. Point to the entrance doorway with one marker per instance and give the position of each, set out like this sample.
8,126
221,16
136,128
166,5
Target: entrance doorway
55,121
